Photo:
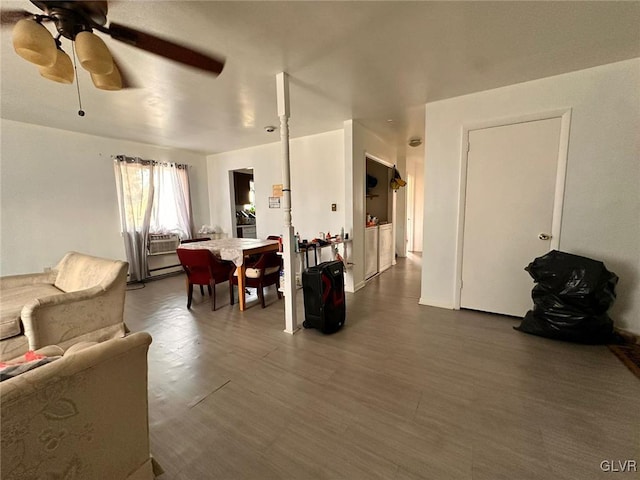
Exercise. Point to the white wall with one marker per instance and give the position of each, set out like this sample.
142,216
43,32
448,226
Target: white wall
601,217
324,170
317,181
402,207
58,194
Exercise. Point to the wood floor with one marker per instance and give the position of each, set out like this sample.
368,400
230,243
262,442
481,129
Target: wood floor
403,392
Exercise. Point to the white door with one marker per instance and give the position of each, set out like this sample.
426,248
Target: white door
385,248
511,181
410,212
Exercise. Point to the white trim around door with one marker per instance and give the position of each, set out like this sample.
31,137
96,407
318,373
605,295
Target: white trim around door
563,150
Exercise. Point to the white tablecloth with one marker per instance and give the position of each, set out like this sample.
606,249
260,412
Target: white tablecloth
229,248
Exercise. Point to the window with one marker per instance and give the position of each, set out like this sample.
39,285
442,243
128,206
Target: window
171,210
153,198
136,188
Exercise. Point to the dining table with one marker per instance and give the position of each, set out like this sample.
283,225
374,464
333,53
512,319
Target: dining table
235,250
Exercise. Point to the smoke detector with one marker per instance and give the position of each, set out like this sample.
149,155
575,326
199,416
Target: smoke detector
415,142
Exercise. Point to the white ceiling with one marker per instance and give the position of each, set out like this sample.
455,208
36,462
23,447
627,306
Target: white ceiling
370,61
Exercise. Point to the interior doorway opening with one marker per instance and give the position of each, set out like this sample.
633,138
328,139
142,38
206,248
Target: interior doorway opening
243,204
380,213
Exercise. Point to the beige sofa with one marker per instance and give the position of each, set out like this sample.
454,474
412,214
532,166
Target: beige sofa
81,299
82,416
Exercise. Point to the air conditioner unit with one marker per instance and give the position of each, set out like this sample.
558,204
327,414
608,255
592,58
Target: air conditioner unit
163,243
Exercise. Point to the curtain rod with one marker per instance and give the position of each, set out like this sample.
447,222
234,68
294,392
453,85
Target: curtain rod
142,161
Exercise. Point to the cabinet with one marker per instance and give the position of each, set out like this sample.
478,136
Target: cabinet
385,246
247,231
370,252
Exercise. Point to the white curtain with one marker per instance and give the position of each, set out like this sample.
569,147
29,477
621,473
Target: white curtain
153,198
171,209
135,187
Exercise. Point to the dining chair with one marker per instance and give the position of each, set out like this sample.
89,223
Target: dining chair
192,240
203,268
263,273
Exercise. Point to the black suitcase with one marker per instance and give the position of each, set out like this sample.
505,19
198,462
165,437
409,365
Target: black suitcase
324,303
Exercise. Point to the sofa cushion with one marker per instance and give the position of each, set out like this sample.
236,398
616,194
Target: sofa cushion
13,299
27,362
77,271
76,347
48,351
12,347
255,272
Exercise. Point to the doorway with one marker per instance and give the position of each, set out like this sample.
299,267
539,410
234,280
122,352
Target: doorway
380,211
410,211
243,209
513,189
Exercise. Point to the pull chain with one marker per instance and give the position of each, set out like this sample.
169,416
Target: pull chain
75,68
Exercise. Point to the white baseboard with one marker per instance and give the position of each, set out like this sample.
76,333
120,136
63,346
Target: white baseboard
434,303
359,286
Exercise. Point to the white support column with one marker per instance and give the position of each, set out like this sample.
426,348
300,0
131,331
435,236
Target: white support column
290,314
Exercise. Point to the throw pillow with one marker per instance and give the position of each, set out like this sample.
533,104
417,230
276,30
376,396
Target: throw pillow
30,361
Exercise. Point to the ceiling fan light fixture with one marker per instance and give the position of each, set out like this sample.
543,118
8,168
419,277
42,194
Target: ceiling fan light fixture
33,42
61,71
111,81
93,54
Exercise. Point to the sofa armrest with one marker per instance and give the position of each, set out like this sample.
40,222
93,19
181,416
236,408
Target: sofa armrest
85,414
66,297
12,281
59,319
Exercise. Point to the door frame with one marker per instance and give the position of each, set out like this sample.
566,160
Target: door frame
232,197
393,198
561,174
410,209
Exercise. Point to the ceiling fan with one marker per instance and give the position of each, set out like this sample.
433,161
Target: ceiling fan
76,21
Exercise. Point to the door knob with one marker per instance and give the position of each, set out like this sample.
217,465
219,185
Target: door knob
544,236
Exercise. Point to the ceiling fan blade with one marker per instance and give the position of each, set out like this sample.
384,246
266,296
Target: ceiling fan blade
165,48
125,75
8,17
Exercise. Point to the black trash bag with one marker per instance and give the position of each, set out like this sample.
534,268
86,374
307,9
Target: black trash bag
571,297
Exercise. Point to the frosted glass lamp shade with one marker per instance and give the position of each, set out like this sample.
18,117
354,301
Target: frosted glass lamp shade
93,54
112,81
61,71
34,43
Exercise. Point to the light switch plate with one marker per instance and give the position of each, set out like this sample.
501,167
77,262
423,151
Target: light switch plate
334,207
